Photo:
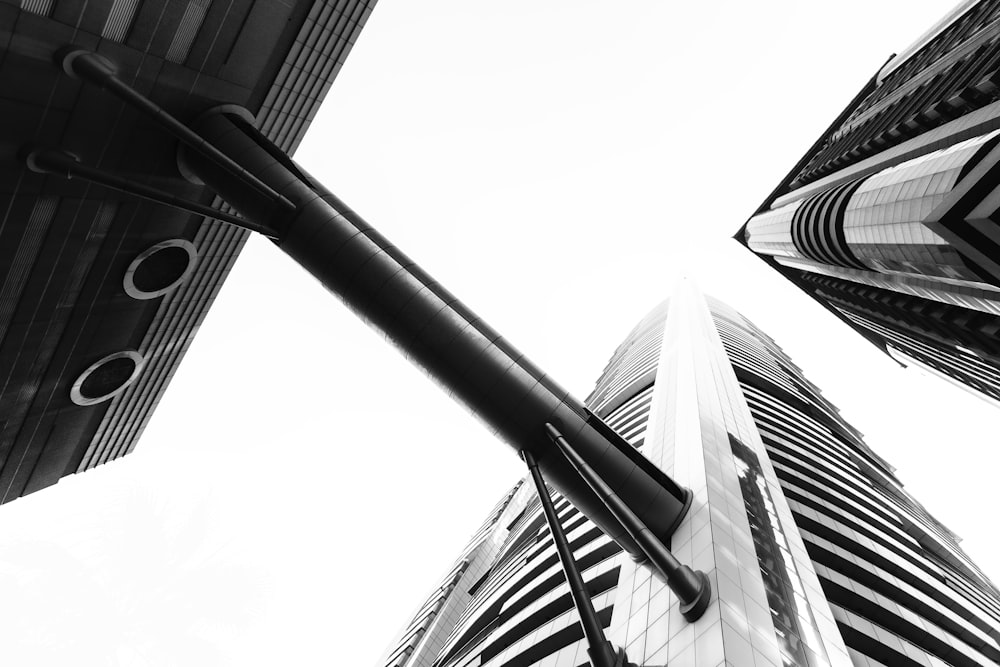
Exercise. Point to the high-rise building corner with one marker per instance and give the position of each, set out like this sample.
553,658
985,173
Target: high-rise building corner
816,553
889,220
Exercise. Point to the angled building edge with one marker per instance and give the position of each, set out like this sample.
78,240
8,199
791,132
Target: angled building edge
890,219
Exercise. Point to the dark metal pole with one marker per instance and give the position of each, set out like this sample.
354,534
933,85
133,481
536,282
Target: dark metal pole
693,588
98,70
62,164
600,651
435,330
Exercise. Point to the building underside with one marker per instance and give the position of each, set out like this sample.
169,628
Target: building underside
101,292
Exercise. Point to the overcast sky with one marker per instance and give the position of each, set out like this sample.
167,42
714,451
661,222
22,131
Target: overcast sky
557,165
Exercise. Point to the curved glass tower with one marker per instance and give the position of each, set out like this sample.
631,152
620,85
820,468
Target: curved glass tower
889,220
815,552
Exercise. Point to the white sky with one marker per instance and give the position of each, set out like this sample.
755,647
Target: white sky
555,164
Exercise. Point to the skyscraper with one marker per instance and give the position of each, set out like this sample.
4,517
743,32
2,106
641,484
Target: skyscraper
889,219
816,553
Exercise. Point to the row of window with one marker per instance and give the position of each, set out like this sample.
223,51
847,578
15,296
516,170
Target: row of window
958,86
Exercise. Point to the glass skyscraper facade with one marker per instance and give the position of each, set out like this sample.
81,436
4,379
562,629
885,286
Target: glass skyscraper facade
889,219
815,552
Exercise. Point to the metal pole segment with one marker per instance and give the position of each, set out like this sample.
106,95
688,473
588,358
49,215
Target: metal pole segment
63,164
602,654
100,71
436,331
693,588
